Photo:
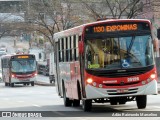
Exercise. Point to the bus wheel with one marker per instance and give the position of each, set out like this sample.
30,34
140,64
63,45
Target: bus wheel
113,102
32,83
6,84
12,84
141,101
67,101
76,103
87,105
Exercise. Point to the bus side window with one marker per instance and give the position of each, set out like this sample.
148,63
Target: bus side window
70,48
67,49
59,52
76,48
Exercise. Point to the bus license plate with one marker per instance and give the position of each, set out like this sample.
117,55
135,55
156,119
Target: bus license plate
122,90
26,80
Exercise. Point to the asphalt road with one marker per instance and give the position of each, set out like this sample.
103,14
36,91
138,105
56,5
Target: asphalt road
45,98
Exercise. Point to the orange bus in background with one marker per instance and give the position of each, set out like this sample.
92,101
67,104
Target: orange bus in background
106,61
19,69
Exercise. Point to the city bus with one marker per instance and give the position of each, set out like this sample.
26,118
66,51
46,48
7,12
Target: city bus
19,69
106,61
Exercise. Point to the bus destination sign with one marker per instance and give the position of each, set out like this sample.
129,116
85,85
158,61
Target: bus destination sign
120,27
23,57
112,28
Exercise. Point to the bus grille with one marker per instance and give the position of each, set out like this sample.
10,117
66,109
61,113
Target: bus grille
132,83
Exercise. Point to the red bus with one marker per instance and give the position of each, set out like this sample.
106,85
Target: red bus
106,61
19,69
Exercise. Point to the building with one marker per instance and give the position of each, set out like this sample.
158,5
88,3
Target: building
151,10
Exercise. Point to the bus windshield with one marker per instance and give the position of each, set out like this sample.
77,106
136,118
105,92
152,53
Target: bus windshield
23,66
119,52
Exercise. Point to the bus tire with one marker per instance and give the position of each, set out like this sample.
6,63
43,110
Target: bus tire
6,84
12,84
141,101
87,105
32,83
67,101
76,103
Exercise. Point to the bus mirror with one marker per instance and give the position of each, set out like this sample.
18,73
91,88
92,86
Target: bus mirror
81,47
155,44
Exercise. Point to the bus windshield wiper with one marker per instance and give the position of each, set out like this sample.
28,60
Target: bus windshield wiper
130,45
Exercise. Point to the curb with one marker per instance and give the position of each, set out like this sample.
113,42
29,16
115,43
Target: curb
44,83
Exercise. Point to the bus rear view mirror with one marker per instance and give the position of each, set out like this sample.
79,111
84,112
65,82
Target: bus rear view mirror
81,47
155,44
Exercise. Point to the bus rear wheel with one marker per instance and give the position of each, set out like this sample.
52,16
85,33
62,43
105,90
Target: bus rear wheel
6,84
12,84
87,105
141,101
67,101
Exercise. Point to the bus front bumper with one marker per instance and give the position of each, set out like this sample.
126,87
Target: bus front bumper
15,80
95,93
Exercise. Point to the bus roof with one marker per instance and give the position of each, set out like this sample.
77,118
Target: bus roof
78,30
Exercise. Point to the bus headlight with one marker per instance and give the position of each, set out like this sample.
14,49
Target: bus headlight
153,76
13,76
89,80
35,74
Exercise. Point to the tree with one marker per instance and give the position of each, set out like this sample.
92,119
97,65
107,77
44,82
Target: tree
50,16
114,8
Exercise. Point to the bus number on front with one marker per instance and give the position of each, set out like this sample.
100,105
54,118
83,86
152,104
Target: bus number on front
133,79
99,29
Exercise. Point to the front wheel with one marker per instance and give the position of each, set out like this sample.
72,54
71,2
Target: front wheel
87,105
141,101
76,103
32,83
12,84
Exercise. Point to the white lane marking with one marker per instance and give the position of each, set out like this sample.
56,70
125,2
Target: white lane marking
36,105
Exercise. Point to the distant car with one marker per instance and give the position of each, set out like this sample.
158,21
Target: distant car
3,53
3,49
